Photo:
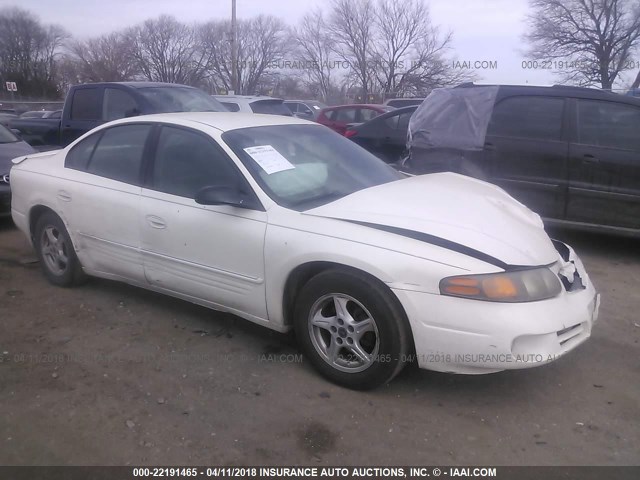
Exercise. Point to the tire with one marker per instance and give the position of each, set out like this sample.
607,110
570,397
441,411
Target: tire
362,346
56,253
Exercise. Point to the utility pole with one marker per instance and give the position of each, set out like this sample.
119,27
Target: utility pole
234,49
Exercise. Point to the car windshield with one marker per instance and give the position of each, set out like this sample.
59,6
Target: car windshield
181,99
7,136
272,107
305,166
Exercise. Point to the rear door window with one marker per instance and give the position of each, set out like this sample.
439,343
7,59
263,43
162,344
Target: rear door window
346,115
86,104
118,154
608,124
528,117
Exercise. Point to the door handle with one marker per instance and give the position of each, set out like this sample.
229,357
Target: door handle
588,158
64,196
489,146
156,222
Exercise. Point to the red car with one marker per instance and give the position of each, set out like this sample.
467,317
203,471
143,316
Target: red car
338,118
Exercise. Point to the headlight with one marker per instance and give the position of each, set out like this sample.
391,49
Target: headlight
517,286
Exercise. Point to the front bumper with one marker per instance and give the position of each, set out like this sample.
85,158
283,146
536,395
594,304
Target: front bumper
459,335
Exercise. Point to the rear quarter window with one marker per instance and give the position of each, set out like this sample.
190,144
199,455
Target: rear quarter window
608,124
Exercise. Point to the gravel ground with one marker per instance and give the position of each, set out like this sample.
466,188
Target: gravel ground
108,374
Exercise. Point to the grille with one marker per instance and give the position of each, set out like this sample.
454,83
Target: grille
570,333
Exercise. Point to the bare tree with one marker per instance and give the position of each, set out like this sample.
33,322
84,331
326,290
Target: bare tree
28,52
392,48
261,48
108,58
352,25
593,38
315,48
409,50
167,50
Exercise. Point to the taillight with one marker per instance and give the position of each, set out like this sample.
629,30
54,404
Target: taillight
350,133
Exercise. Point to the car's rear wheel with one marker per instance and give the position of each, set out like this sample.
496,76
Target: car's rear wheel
55,252
352,329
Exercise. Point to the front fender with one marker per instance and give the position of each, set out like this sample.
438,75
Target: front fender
287,248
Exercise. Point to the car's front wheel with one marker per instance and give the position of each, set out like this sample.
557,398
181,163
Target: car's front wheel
55,252
352,329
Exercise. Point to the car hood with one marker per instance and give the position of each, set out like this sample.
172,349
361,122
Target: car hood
453,211
9,151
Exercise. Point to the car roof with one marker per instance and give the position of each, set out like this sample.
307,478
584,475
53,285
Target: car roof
398,111
391,113
303,101
556,91
136,84
356,105
249,98
223,121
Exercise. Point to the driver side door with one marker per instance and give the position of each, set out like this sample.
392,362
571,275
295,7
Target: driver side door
208,253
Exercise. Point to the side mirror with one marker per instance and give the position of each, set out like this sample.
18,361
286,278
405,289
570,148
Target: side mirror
16,132
222,195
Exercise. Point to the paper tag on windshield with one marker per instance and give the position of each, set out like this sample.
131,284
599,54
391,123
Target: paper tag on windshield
269,159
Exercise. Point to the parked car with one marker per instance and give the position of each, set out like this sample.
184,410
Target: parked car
5,118
42,114
306,109
289,225
340,117
403,102
10,147
385,136
92,104
37,131
570,154
254,104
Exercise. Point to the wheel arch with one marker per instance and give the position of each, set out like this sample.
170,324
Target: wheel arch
301,274
35,213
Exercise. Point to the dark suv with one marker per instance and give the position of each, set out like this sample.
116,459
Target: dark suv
570,154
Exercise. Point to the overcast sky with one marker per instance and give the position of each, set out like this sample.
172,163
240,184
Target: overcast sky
488,30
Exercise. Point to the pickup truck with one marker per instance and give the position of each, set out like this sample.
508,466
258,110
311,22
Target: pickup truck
89,105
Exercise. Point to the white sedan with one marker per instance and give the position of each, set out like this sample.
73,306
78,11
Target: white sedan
289,225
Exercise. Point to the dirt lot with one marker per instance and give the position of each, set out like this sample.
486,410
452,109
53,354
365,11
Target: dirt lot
109,374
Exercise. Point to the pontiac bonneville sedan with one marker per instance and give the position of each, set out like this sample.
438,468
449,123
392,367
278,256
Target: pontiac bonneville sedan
289,225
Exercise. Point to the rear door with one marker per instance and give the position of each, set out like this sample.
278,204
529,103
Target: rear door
101,199
526,150
604,164
83,114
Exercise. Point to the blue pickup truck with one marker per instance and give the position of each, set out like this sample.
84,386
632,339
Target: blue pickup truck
89,105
